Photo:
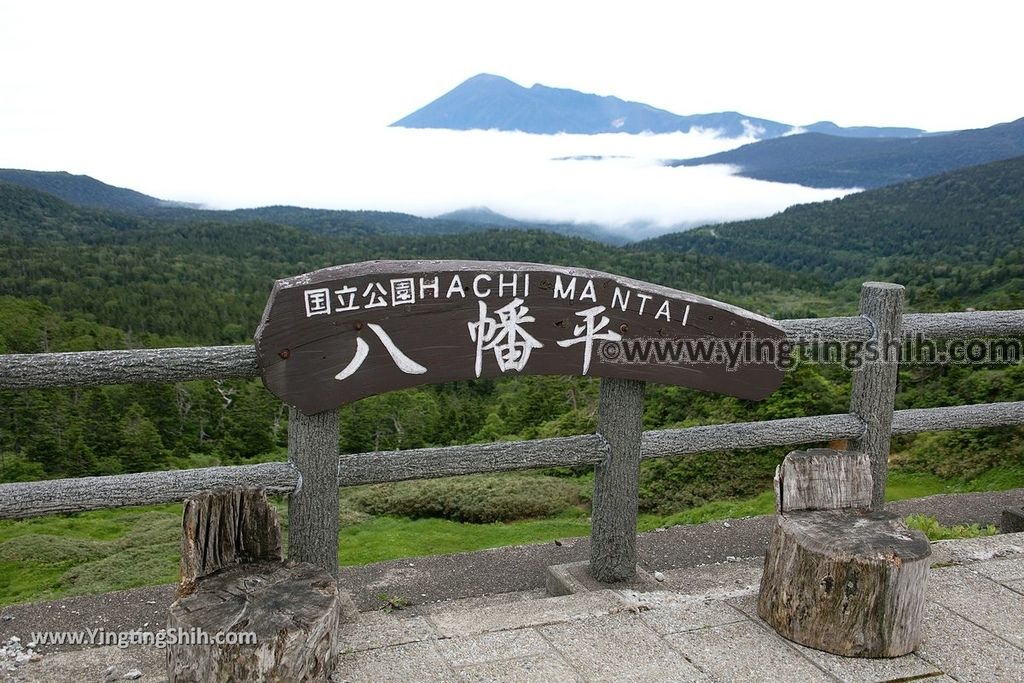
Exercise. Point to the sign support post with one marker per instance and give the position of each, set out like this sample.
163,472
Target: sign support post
617,481
313,505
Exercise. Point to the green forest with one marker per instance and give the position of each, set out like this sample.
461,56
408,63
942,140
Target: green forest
74,278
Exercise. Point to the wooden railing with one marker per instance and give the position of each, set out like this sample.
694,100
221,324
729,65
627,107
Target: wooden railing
315,469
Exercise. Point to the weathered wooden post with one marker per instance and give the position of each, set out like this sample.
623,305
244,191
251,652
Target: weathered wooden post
617,481
874,384
313,505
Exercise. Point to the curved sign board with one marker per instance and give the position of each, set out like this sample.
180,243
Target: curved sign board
339,334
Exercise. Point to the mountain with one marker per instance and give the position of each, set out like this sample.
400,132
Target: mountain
84,190
829,128
958,234
818,160
481,215
486,102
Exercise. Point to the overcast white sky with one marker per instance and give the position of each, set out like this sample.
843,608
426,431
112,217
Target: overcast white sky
242,104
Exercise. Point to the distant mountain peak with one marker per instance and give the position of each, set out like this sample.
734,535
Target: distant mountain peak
492,102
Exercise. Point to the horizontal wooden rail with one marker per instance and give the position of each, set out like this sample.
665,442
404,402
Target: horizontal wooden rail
962,325
88,368
929,325
31,499
914,420
430,463
739,435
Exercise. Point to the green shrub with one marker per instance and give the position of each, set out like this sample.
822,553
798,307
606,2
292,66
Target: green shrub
962,455
669,485
474,498
937,532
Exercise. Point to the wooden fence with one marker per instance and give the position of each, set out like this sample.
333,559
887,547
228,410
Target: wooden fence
315,469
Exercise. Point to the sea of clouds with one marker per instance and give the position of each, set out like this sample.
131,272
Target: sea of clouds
615,180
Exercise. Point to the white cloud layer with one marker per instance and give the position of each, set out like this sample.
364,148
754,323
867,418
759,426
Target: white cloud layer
430,172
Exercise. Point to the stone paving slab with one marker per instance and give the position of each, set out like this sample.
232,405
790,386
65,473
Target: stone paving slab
458,622
980,600
397,664
982,549
965,651
497,645
619,647
755,655
724,578
382,629
672,613
538,669
1002,570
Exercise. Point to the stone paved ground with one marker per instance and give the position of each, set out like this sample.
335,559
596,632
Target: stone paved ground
702,627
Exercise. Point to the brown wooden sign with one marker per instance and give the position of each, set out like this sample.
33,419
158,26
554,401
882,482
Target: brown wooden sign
339,334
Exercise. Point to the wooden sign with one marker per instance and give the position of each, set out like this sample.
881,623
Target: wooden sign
339,334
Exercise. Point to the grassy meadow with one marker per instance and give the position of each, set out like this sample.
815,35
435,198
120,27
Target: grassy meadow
93,552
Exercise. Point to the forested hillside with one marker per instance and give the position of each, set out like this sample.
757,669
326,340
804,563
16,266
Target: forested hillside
207,282
958,235
75,278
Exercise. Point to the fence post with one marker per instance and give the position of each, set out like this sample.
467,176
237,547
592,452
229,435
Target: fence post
313,506
874,383
617,481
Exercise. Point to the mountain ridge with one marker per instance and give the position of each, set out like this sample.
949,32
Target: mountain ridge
820,160
86,190
957,233
488,101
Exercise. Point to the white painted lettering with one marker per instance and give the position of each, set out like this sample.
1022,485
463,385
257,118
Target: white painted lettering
623,301
646,298
434,287
455,287
503,284
565,292
476,285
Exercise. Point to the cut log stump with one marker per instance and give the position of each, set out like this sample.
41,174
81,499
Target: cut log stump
291,609
849,581
224,529
243,614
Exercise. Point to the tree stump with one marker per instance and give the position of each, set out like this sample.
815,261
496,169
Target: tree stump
849,581
224,529
242,613
291,608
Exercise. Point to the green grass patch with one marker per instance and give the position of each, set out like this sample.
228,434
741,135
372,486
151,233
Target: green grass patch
903,485
92,552
389,538
761,504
